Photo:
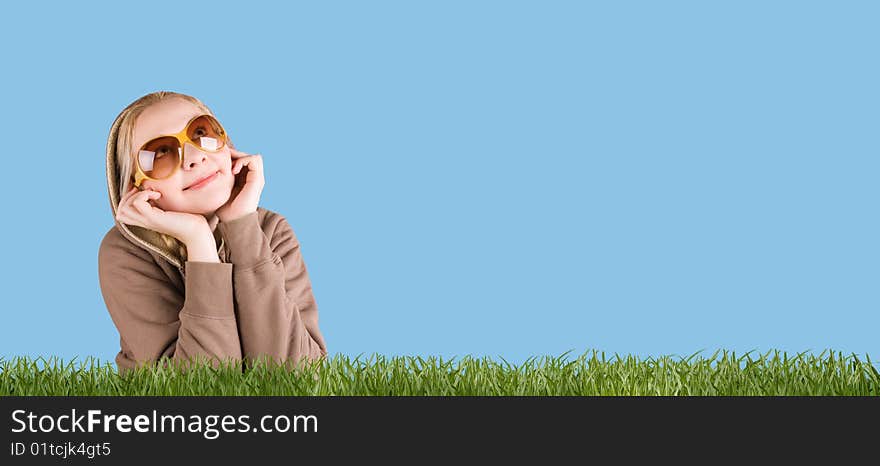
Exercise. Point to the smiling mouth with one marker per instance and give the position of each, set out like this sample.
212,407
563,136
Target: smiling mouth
203,182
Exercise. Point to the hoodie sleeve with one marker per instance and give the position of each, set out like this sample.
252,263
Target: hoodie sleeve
277,312
154,319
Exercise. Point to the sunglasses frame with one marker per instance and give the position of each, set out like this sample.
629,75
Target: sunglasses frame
182,139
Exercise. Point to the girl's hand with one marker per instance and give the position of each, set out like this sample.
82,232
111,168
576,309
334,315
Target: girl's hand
249,182
135,209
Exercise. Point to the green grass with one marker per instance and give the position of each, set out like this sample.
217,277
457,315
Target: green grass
593,374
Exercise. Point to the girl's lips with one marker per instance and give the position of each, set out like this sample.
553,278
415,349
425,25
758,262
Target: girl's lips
203,182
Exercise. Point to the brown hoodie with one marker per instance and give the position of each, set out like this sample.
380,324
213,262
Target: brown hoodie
256,302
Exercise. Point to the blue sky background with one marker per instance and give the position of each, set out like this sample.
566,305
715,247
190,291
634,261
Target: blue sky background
486,178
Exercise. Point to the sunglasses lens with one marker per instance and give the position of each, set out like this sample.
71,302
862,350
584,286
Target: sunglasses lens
159,157
207,133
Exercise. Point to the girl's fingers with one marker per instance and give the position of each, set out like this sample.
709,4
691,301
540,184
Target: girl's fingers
141,201
127,198
130,208
253,162
239,164
122,217
147,195
123,204
137,207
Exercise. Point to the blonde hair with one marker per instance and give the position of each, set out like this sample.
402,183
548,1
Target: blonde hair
125,151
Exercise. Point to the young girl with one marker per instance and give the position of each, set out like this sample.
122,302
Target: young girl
193,267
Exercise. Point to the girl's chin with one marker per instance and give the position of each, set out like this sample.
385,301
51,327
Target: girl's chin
209,201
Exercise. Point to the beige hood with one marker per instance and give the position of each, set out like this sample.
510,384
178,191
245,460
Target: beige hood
143,237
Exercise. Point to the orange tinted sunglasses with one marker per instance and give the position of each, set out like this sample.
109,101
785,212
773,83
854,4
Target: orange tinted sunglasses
161,157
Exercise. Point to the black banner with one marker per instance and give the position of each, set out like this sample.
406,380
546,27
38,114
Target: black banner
48,430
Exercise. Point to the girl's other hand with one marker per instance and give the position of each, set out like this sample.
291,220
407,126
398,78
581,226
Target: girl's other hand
248,187
135,209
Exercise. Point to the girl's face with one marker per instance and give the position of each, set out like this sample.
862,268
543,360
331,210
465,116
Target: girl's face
169,117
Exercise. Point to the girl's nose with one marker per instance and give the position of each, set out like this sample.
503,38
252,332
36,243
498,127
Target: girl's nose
193,156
